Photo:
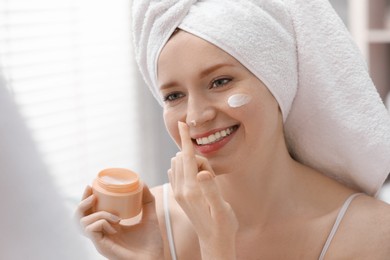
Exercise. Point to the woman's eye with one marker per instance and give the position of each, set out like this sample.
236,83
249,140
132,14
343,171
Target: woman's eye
220,82
173,96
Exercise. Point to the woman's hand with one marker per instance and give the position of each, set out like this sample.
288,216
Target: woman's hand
141,241
194,187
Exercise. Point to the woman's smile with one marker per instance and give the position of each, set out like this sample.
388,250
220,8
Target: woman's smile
214,140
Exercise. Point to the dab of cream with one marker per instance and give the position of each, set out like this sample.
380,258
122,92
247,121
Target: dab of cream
238,100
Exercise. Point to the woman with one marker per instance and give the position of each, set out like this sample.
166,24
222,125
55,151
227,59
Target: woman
264,100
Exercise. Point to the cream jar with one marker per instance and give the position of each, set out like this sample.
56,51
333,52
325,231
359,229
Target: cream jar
118,191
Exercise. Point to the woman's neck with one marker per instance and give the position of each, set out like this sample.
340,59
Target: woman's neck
260,193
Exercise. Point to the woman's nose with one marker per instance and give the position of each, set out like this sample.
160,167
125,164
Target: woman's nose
199,111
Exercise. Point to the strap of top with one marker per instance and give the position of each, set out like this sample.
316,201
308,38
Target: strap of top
339,218
168,221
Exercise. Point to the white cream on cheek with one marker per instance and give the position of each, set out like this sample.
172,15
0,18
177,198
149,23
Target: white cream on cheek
238,100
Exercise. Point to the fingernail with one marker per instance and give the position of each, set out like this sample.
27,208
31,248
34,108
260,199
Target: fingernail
181,124
115,218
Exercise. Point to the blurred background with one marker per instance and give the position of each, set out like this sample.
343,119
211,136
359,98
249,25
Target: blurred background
69,67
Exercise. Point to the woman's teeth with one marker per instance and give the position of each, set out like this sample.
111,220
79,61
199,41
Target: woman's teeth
216,136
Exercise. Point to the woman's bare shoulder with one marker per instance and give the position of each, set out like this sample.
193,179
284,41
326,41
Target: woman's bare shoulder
158,194
374,212
185,239
157,191
168,205
364,233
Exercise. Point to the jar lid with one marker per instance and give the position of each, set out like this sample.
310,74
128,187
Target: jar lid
118,180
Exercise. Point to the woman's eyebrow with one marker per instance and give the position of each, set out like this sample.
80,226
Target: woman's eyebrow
168,85
214,67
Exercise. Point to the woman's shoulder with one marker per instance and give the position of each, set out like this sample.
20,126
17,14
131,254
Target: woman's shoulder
374,212
158,193
157,190
166,204
364,233
185,239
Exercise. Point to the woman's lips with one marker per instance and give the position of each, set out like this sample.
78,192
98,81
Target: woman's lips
215,141
215,137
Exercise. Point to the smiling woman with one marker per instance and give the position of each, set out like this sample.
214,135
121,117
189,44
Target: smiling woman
290,167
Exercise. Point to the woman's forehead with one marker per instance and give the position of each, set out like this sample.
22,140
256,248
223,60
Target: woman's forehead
188,45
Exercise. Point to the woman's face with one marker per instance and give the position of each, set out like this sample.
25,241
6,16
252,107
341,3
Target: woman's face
196,80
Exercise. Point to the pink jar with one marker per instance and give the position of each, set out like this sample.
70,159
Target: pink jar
118,191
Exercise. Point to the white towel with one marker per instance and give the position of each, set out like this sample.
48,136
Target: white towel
334,118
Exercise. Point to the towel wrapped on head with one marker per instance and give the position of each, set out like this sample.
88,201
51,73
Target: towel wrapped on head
334,119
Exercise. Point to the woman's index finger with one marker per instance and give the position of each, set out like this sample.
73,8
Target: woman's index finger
186,142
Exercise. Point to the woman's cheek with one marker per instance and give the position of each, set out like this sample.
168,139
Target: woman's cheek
170,120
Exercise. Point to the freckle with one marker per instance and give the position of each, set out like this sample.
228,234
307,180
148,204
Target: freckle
238,100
